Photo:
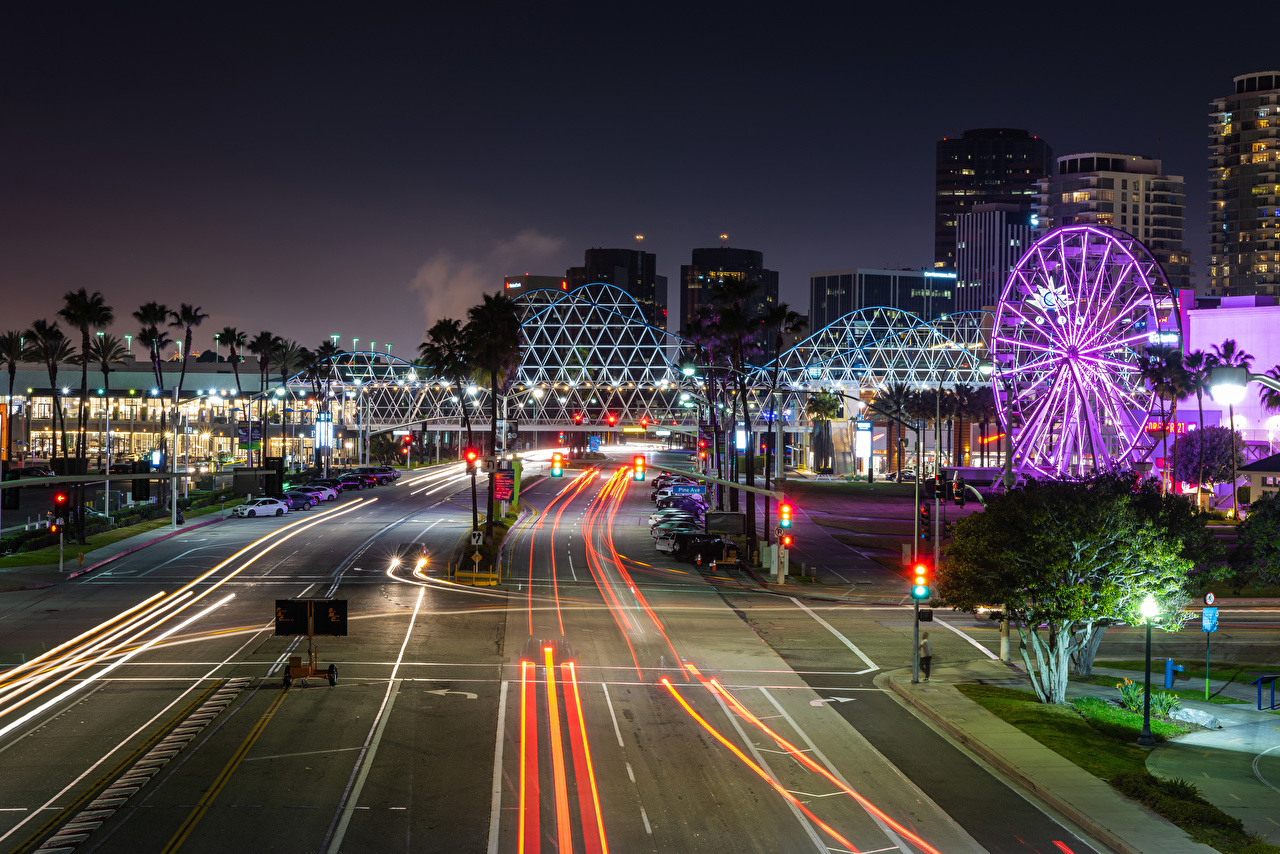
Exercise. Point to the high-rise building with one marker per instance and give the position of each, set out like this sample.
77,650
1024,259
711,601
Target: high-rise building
1244,188
721,264
928,294
516,285
1125,191
632,270
989,241
984,166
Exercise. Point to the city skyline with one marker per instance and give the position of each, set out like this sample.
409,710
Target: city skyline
270,173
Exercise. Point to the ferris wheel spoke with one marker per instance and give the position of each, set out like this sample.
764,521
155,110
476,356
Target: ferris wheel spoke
1091,303
1114,343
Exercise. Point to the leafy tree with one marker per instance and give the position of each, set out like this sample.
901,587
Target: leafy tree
445,355
1063,559
1198,364
153,316
14,350
1232,356
1257,555
493,341
49,344
234,339
186,318
1215,446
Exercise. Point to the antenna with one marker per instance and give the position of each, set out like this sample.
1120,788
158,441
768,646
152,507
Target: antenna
724,240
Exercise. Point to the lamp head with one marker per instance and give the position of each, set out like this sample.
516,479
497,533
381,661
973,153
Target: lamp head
1149,608
1226,385
986,368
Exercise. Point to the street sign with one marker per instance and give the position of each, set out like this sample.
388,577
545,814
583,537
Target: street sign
475,558
311,617
1209,620
1208,598
504,485
594,444
687,489
477,538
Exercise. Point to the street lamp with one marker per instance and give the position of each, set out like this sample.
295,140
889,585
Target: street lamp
1227,385
1149,609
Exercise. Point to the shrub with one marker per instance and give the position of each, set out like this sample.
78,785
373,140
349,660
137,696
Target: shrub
1176,800
1162,702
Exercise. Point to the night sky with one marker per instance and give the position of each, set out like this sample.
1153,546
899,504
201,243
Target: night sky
362,169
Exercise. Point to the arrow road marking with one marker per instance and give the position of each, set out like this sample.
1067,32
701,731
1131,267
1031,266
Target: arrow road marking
443,691
832,700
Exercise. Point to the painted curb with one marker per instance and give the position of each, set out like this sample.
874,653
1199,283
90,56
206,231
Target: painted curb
141,546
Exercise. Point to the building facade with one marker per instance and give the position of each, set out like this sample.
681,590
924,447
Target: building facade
721,264
1125,191
983,166
928,294
632,270
1244,188
990,240
516,285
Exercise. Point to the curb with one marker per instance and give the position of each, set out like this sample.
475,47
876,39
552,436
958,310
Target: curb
1047,793
141,546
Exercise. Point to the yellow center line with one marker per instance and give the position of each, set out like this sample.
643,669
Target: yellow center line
205,802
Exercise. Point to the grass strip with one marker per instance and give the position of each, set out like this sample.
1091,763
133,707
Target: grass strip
1099,737
49,554
1180,693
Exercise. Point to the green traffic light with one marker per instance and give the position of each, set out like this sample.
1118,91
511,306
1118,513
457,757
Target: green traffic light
919,592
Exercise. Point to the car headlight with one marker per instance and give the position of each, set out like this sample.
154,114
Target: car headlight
395,561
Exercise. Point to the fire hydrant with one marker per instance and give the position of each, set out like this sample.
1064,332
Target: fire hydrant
80,558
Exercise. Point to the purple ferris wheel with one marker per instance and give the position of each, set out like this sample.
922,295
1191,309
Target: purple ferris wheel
1073,320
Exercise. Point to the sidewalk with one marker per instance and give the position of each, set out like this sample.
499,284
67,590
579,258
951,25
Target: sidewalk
1218,761
36,577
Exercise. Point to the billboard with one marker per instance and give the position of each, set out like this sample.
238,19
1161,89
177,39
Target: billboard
504,485
249,435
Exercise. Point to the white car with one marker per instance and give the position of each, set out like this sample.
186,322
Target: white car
261,507
322,492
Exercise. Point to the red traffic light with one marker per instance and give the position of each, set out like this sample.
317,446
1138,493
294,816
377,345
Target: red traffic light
613,419
644,422
60,499
577,418
472,455
784,514
639,461
787,540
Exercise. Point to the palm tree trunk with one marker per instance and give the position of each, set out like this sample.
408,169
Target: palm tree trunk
1235,505
1173,464
493,449
1200,466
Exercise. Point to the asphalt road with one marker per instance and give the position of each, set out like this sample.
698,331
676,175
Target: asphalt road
602,698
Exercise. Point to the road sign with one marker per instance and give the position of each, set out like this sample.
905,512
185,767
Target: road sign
477,538
1208,598
1209,620
311,617
504,485
594,444
687,489
475,558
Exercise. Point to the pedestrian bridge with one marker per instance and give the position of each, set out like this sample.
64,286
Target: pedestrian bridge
591,363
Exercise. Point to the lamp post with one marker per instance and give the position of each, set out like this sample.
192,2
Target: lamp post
1149,610
1227,385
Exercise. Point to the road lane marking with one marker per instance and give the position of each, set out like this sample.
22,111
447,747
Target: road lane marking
871,665
193,818
305,753
988,653
495,801
605,687
355,784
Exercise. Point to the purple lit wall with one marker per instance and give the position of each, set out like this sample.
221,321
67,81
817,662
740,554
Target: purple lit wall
1256,329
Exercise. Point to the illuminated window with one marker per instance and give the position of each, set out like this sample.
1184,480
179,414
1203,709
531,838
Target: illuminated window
1260,146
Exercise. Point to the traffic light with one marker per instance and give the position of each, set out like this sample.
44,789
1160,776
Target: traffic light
924,519
644,422
557,465
920,580
957,491
613,419
404,445
61,503
471,455
639,463
577,418
786,540
784,514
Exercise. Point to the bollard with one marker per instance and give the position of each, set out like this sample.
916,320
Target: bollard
1169,668
80,559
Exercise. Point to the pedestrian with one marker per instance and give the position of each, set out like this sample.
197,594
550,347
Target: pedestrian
926,655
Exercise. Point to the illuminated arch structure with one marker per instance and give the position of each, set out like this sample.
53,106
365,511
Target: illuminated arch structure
589,357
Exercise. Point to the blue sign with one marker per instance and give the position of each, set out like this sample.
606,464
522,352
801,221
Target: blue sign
1209,620
594,444
687,489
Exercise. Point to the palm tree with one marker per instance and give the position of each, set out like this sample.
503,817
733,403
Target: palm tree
13,352
493,339
778,320
50,345
1198,364
893,403
263,346
445,355
1230,355
105,351
961,409
1270,397
84,312
1156,369
984,409
153,316
186,318
234,339
821,408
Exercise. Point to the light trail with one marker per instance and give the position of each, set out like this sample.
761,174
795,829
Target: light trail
594,839
764,775
803,758
528,836
564,829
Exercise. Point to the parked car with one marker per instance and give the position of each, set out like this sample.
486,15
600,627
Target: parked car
261,507
34,471
322,493
352,480
672,513
683,502
331,482
380,474
301,500
663,529
687,546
